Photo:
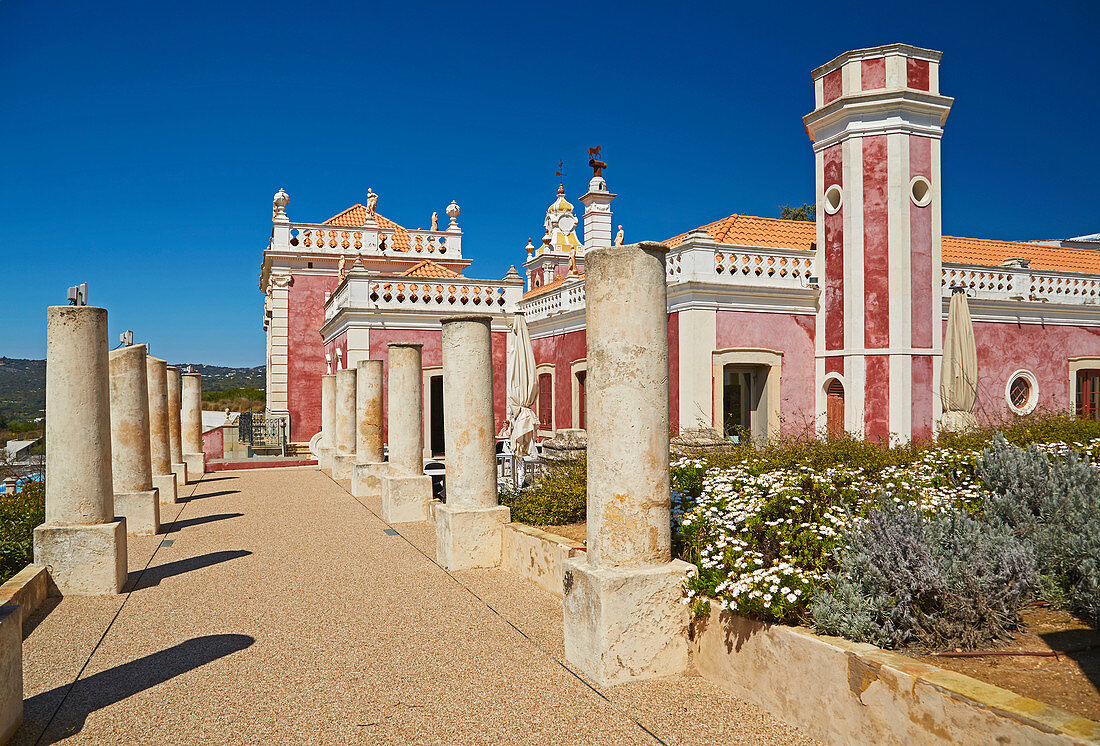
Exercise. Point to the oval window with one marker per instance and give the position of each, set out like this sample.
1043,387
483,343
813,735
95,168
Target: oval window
834,198
920,191
1022,392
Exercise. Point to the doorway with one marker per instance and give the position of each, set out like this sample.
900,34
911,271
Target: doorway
742,417
436,439
834,407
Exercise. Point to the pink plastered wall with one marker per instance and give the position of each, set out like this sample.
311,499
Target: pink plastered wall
791,334
562,350
305,353
1044,350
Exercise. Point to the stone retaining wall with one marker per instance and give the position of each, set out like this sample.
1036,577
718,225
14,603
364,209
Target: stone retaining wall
28,588
844,692
537,555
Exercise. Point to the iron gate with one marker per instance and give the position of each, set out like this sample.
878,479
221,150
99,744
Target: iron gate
261,430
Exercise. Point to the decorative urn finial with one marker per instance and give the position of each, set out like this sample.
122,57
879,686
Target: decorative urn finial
279,203
453,212
530,247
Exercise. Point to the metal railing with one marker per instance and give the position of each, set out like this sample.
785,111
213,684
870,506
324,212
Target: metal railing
262,430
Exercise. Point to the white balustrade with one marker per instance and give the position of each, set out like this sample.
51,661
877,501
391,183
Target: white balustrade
367,240
451,295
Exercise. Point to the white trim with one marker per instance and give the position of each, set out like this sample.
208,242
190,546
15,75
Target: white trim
576,367
1033,399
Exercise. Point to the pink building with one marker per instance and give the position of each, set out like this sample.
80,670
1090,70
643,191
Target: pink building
773,324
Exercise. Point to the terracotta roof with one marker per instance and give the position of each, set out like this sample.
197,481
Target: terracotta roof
356,215
992,253
428,268
747,230
548,287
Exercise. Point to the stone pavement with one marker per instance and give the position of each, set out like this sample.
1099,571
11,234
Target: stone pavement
279,609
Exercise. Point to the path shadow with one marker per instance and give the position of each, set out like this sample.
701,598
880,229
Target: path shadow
151,576
205,480
1074,640
176,525
116,684
211,494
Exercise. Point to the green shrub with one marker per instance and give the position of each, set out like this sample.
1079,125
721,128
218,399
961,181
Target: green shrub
556,498
1053,506
906,580
19,515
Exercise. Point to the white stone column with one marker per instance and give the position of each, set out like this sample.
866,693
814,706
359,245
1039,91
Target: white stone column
468,526
193,454
344,415
406,489
136,499
366,475
160,445
81,544
175,425
623,616
327,446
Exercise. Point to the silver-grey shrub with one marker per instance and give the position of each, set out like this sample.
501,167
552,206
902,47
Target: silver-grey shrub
944,582
1053,506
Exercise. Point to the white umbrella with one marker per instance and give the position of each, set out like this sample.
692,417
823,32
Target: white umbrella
523,389
959,373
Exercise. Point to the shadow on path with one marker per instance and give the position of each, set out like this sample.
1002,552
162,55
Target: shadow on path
176,525
208,480
211,494
151,576
116,684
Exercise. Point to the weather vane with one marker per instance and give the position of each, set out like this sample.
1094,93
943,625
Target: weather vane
560,173
594,161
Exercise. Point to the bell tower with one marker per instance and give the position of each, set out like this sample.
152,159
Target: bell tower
876,133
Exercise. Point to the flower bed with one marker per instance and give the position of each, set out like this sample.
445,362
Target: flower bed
916,546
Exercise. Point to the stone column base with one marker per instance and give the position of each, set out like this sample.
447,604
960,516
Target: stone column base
11,671
624,624
324,457
196,464
166,485
141,509
342,464
366,479
180,470
468,537
83,560
406,499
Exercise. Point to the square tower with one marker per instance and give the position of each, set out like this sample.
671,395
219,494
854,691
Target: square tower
876,132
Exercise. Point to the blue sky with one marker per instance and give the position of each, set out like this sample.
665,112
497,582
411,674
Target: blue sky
142,142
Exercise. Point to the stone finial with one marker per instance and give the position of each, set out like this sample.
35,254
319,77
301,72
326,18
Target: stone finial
530,247
278,205
453,212
513,275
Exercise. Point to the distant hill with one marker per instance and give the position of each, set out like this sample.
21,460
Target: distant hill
23,384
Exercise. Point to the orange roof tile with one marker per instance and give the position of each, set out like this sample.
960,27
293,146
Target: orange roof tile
988,252
748,230
548,287
356,215
428,268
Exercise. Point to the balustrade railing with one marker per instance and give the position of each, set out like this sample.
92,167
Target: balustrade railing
334,239
413,294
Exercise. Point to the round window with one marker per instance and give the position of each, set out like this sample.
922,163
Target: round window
1022,392
834,198
920,191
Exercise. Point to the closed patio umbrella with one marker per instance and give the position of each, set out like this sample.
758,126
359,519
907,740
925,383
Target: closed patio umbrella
959,373
523,389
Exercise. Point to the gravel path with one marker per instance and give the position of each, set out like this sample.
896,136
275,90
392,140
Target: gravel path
279,609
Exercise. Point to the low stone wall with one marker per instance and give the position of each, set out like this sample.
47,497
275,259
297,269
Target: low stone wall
28,588
537,555
844,692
